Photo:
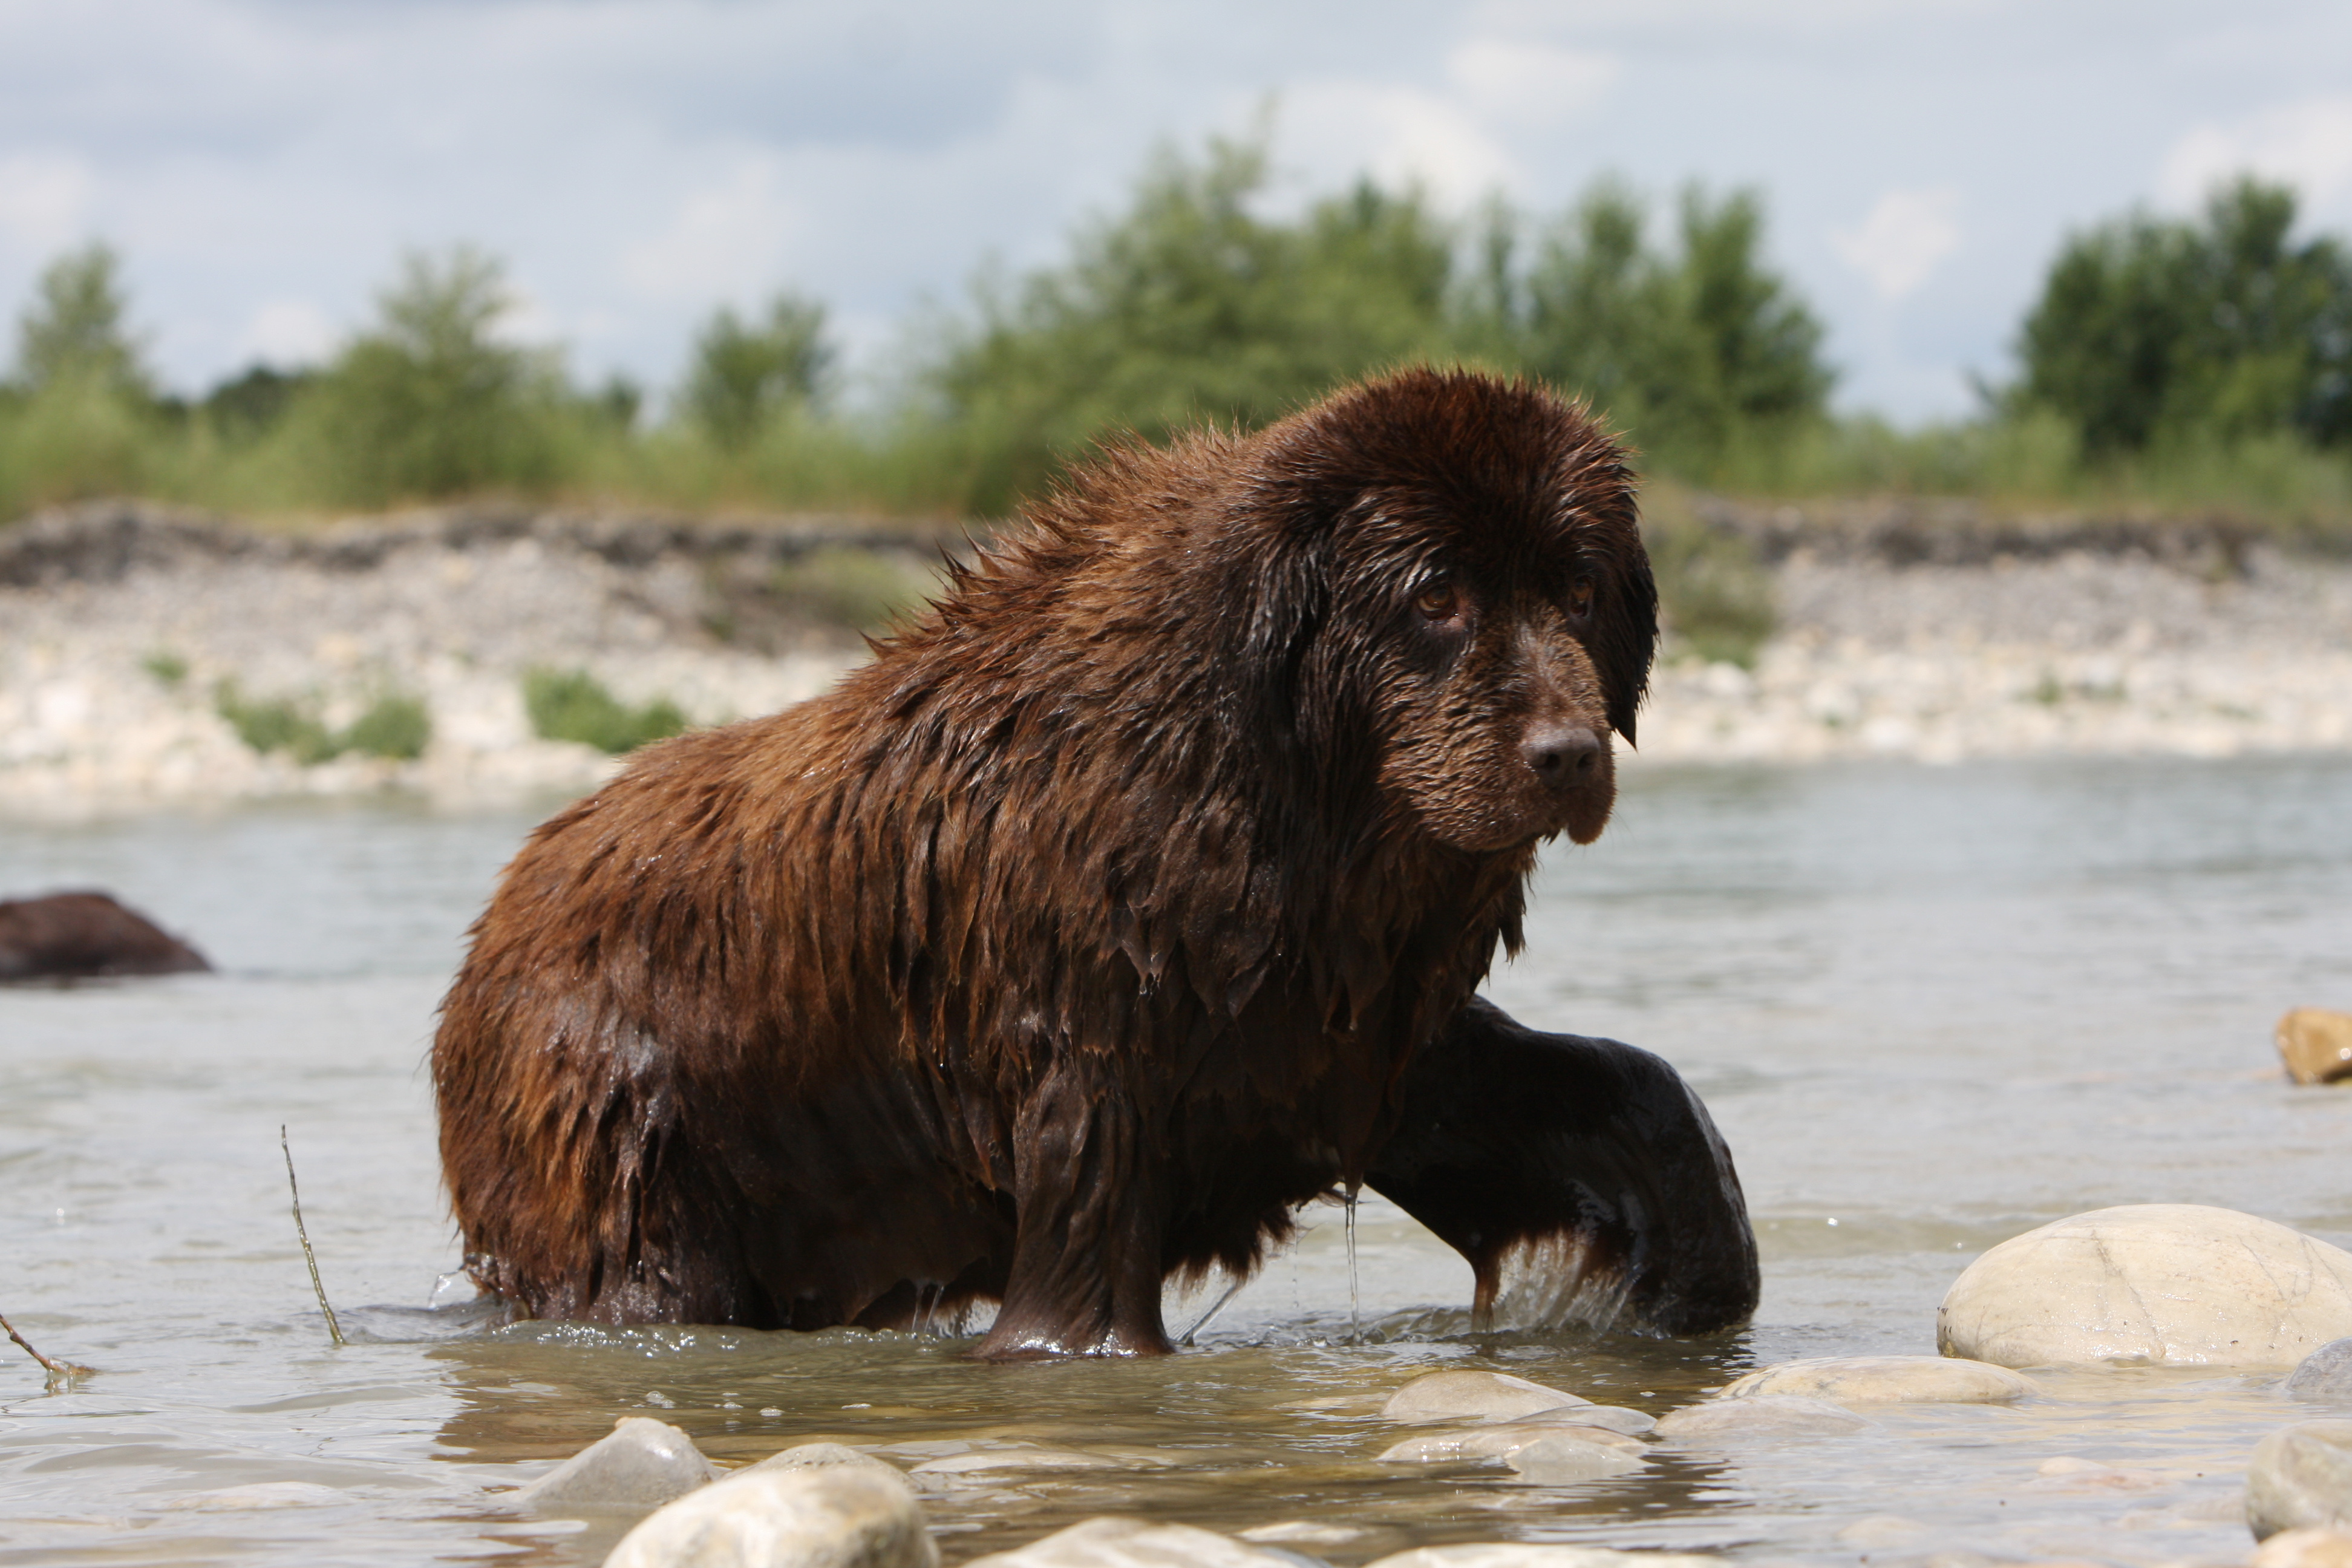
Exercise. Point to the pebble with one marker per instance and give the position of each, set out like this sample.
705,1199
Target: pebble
1560,1460
641,1463
817,1516
2301,1476
2305,1549
1615,1417
1533,1554
981,1459
1458,1395
1497,1442
1759,1417
1302,1533
1886,1380
258,1495
818,1455
2164,1283
1133,1543
2315,1044
2324,1374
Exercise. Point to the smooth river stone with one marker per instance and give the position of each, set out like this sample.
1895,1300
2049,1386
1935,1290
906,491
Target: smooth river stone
2301,1477
980,1461
2303,1548
2180,1284
1533,1554
1464,1395
817,1456
1466,1443
1615,1417
1560,1460
1886,1379
2315,1045
1759,1417
2324,1374
641,1463
816,1516
1134,1544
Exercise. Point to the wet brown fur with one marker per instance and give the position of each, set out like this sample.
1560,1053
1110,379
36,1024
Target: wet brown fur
1090,928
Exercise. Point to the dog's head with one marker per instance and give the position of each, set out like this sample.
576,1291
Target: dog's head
1458,594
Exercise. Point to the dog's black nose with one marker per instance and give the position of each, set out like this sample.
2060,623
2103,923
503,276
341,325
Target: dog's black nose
1559,755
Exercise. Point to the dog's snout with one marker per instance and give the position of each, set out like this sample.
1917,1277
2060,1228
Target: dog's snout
1562,754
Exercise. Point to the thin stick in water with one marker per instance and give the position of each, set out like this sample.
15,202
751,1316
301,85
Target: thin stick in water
61,1373
334,1329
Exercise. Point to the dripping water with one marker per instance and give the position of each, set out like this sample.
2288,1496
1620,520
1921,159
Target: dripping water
1355,1297
1233,1288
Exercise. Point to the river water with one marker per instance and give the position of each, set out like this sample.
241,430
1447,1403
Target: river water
1930,1008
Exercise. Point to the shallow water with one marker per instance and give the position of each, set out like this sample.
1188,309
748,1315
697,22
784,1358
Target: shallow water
1930,1008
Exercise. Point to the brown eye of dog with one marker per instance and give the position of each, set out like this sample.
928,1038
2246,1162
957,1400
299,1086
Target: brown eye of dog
1439,601
1580,598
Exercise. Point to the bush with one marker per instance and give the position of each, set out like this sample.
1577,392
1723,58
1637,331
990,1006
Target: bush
860,589
2217,330
393,726
574,705
430,403
744,376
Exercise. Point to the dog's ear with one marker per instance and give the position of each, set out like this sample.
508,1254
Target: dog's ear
1625,637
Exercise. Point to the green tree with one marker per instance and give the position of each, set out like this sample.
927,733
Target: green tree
2218,328
1689,349
430,403
745,373
74,330
1190,307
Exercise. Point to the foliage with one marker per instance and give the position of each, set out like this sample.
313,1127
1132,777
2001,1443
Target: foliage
847,587
73,331
745,375
1189,308
430,403
395,725
1716,596
2151,331
574,705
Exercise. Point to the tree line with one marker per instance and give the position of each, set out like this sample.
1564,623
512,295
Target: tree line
2217,347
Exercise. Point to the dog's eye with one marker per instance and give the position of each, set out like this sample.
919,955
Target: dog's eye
1439,601
1580,598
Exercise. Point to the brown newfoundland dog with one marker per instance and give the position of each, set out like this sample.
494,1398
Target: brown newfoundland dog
1133,896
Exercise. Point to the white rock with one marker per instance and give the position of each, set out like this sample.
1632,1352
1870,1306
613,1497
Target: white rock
642,1463
1560,1460
1530,1554
1615,1417
1302,1533
1759,1417
1460,1395
2305,1549
1133,1543
821,1516
1016,1458
2301,1477
1886,1379
1468,1444
2168,1283
258,1495
2324,1374
817,1456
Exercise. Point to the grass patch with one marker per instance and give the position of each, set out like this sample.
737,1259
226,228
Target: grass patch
395,726
166,667
1713,592
858,588
574,705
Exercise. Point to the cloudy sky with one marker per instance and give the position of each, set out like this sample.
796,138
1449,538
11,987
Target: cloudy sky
261,163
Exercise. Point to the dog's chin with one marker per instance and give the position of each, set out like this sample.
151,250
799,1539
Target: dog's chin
1581,814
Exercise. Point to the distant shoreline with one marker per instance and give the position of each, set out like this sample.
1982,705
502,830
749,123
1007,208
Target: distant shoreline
1902,634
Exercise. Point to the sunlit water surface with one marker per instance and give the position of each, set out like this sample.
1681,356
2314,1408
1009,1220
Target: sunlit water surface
1930,1008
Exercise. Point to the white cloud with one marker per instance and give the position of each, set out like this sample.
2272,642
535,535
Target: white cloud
1902,239
44,201
1401,135
2307,144
727,240
286,332
1530,84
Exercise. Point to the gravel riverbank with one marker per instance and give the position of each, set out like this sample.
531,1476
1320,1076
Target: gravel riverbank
122,627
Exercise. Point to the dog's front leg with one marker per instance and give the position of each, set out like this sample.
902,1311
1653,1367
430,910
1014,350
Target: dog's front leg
1582,1178
1087,1262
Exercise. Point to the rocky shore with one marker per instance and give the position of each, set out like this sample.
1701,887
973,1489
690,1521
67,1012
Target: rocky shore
129,632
